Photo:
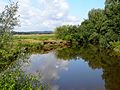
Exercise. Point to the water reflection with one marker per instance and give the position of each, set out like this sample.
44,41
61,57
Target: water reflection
97,59
76,68
65,74
48,66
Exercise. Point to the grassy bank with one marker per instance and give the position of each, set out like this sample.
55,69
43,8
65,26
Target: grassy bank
33,42
35,37
30,44
47,42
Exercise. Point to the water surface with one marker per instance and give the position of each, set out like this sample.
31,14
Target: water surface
76,69
74,74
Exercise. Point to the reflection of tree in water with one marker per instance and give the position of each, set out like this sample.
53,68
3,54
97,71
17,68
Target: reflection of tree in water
111,76
67,53
96,58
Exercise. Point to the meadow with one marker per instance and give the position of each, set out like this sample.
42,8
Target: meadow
35,37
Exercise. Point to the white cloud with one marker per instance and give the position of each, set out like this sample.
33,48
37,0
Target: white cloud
2,4
40,15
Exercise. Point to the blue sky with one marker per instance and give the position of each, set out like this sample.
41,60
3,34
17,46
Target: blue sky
81,8
40,15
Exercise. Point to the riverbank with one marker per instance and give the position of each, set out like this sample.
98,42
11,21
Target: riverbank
38,42
49,42
35,43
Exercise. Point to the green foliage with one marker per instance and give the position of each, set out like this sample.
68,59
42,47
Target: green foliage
17,80
8,20
13,77
108,2
116,47
101,27
67,32
29,47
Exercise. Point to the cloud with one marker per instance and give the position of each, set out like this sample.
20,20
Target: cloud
40,15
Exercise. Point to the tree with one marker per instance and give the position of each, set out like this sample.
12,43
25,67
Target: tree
67,32
8,20
108,2
101,27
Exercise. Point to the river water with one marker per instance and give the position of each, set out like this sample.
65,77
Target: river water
74,69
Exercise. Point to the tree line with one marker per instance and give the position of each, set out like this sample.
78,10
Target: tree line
101,27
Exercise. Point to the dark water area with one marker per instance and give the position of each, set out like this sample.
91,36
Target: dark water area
76,69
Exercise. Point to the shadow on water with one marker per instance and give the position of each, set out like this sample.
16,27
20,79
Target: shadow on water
97,59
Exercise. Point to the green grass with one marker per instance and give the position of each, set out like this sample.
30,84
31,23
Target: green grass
34,42
35,37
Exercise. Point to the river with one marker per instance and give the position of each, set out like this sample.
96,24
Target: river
76,69
73,68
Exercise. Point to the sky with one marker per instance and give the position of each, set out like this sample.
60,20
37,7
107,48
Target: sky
46,15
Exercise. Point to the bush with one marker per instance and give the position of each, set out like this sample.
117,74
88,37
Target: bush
17,80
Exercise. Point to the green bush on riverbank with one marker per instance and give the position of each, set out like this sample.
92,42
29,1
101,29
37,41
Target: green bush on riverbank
101,27
16,80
